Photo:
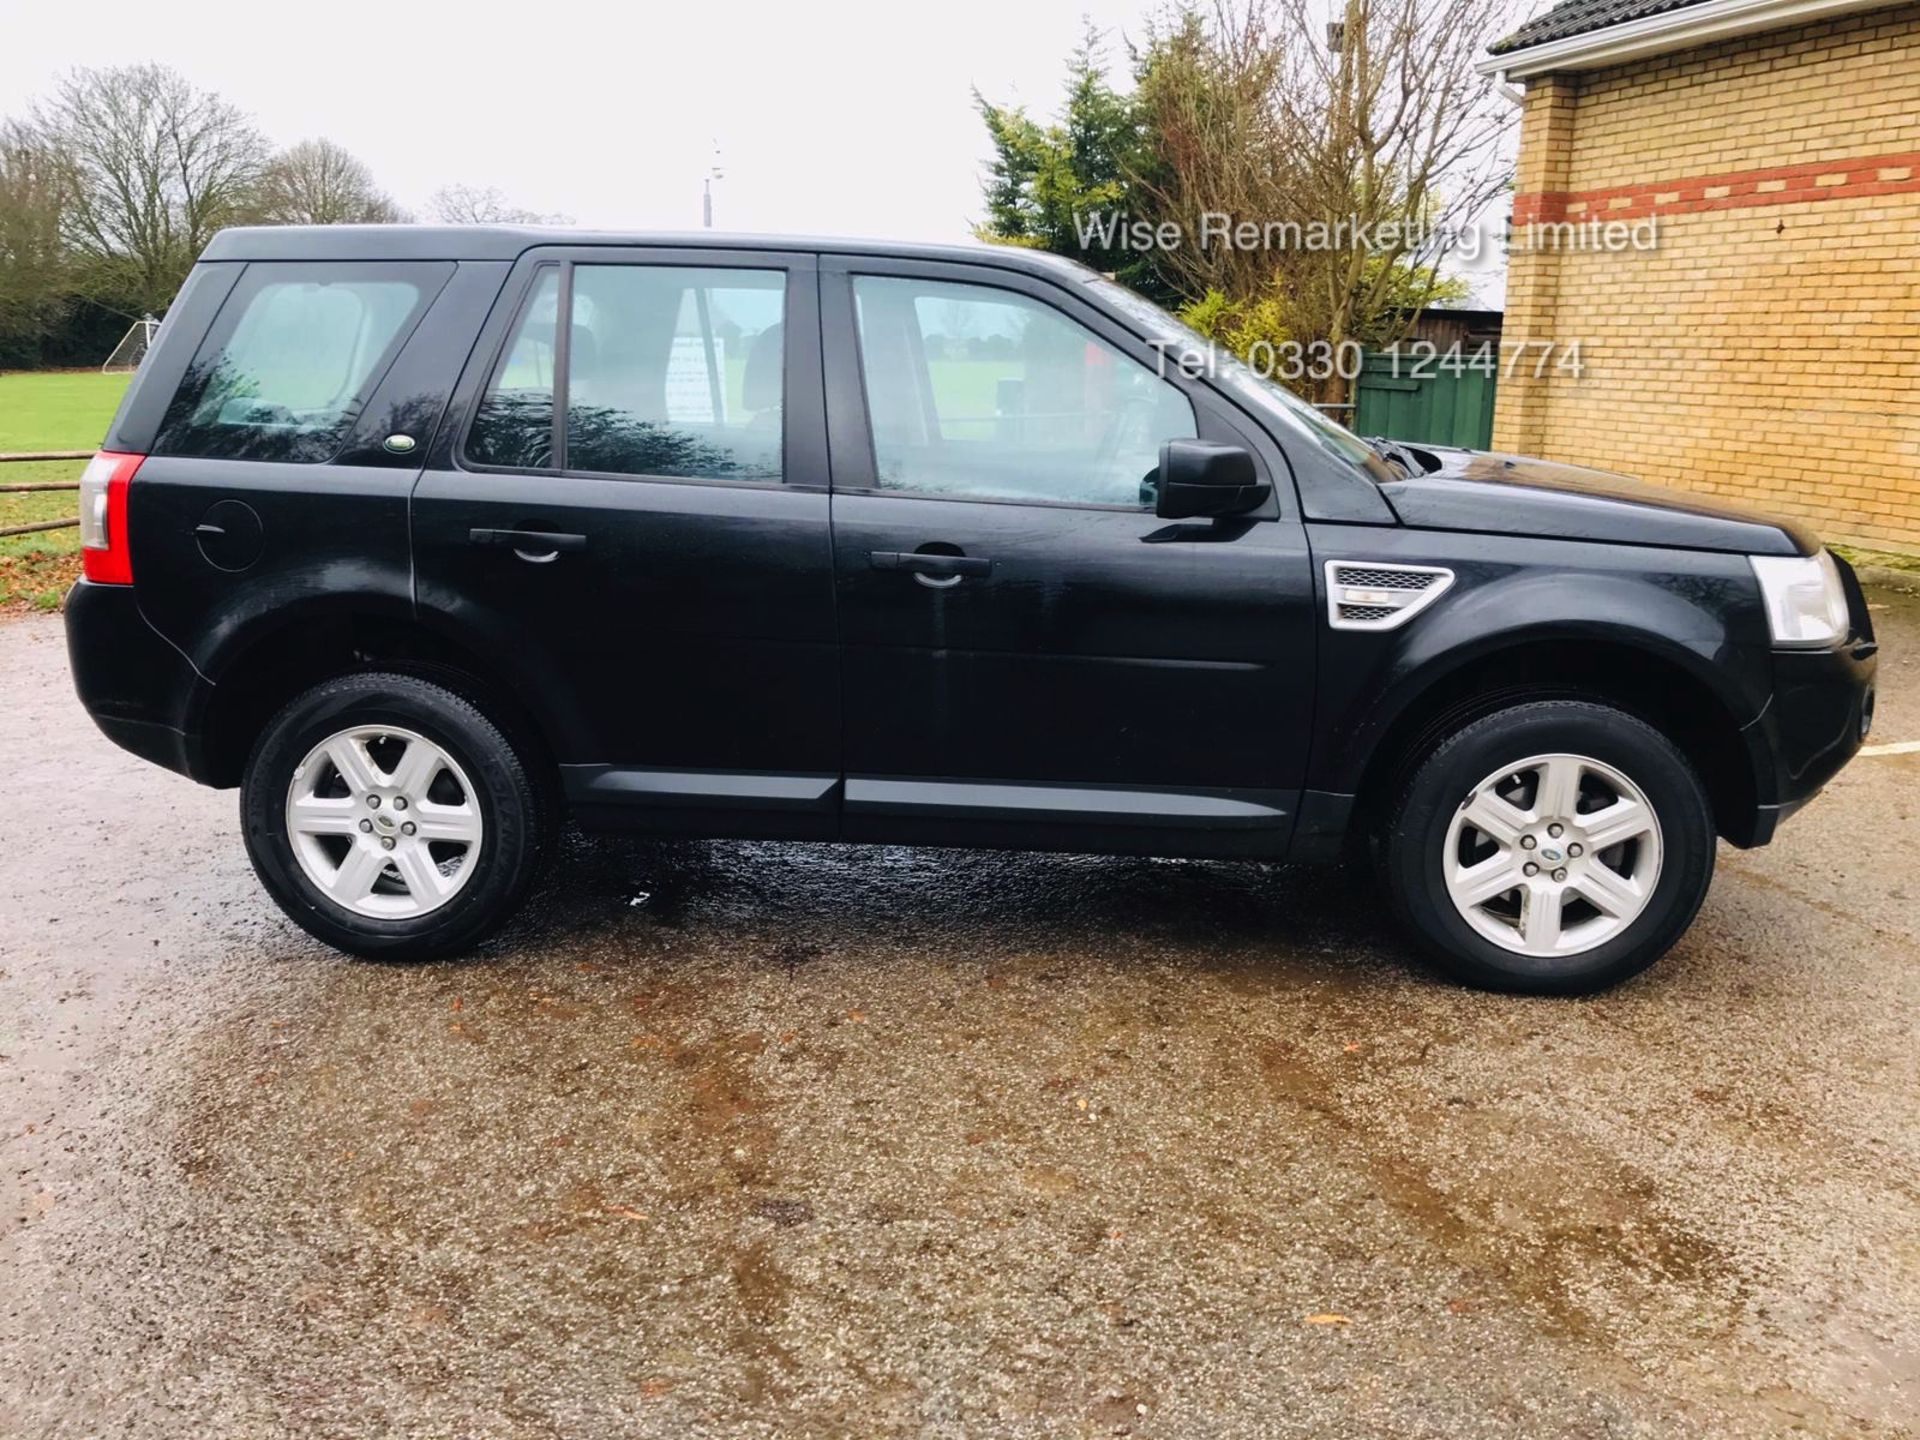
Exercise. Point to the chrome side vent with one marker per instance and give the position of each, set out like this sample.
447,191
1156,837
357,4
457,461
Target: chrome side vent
1373,595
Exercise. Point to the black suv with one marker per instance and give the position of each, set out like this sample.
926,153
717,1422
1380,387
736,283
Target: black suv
428,539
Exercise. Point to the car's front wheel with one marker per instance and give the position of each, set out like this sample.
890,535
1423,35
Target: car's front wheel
1556,847
390,817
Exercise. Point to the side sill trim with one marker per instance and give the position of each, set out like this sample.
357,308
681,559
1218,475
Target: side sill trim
973,800
699,789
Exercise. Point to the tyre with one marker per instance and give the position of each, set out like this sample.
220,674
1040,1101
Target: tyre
1555,847
390,817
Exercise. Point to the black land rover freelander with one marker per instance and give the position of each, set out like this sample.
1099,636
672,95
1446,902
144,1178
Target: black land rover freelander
427,539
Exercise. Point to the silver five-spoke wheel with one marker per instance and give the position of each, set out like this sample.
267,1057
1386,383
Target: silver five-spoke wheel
384,822
1553,856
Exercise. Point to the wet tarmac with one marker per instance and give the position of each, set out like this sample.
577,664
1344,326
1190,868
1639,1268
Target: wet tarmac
741,1139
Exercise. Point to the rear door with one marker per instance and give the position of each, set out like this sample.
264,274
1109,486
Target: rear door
267,492
631,499
1030,655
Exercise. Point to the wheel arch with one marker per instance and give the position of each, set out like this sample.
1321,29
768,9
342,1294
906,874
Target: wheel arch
257,671
1664,685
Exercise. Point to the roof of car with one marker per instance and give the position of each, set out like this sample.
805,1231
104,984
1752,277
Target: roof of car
509,242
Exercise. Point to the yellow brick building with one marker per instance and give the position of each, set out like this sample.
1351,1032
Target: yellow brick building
1767,347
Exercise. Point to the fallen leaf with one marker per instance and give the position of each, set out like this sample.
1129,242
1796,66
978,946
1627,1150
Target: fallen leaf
859,1017
1328,1320
458,1003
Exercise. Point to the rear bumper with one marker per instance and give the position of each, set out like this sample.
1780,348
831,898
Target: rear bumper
137,687
1821,710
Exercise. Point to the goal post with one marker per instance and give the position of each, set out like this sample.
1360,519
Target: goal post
133,347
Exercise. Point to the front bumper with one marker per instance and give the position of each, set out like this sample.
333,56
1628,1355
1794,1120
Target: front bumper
1819,716
135,685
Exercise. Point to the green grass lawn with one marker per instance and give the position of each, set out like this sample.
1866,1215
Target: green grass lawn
57,410
61,410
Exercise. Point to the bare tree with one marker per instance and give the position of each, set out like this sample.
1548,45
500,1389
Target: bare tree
34,276
471,205
1377,130
318,183
1208,94
1407,140
153,168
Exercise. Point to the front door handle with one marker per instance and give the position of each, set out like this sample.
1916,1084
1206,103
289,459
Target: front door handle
934,563
536,546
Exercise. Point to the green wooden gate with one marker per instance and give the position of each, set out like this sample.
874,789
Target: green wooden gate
1425,399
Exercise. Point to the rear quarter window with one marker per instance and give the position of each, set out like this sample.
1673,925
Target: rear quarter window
293,357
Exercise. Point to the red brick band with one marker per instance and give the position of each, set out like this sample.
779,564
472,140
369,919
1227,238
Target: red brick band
1782,185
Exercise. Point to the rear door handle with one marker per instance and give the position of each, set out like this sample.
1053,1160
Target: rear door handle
919,562
538,546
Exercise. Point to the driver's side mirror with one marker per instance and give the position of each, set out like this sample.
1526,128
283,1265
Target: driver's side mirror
1202,479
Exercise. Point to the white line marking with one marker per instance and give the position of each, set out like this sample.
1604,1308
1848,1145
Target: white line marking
1904,747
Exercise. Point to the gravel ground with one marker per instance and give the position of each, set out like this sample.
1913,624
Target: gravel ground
797,1140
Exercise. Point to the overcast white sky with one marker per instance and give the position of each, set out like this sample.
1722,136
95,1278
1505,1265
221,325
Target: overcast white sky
837,118
845,118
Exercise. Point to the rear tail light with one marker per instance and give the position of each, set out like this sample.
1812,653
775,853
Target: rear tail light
105,553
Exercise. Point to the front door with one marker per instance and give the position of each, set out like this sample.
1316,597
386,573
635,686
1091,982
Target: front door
630,506
1029,654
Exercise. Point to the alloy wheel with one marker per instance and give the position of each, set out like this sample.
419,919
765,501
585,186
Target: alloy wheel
1553,856
384,822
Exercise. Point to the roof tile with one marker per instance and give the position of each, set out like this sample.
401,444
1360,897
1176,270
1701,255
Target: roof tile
1578,17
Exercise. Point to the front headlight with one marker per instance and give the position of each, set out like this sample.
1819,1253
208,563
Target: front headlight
1806,603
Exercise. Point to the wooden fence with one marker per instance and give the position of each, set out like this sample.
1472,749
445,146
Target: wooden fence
40,525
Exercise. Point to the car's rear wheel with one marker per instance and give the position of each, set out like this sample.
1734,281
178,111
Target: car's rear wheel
390,817
1556,847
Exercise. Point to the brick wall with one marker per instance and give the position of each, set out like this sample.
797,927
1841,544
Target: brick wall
1769,350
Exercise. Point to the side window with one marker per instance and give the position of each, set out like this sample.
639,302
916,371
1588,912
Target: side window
514,424
668,370
676,372
292,358
980,392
